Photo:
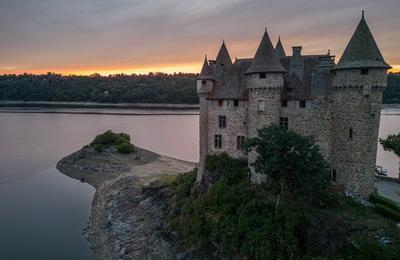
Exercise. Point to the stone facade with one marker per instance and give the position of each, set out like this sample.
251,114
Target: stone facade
338,105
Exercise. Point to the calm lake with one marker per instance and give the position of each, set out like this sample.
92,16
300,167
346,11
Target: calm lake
42,212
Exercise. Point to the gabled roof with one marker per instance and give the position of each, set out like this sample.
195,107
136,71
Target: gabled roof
279,50
362,50
223,56
206,70
265,59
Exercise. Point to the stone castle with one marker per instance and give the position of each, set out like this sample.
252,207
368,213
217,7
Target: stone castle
338,104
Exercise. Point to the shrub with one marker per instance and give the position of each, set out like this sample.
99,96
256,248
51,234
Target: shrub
387,212
378,199
233,170
125,148
109,138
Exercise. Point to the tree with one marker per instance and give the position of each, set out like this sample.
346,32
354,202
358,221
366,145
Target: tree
391,143
292,162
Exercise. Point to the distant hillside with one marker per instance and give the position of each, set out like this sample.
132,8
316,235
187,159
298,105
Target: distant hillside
155,88
392,92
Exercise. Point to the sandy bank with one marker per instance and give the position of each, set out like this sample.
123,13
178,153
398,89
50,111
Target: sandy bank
128,218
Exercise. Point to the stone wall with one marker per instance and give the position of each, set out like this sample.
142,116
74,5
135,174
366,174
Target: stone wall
264,107
203,90
313,120
357,103
236,124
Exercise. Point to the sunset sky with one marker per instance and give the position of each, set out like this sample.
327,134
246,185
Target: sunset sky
126,36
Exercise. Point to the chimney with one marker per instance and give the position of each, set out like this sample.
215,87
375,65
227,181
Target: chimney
296,62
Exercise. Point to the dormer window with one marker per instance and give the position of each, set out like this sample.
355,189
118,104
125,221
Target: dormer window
284,103
302,103
203,82
236,103
263,75
220,102
364,71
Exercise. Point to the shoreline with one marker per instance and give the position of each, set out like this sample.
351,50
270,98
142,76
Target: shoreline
50,104
130,208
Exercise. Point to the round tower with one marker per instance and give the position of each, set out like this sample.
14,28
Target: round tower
358,83
205,84
264,83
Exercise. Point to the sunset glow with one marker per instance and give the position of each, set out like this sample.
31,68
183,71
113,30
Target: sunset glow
109,37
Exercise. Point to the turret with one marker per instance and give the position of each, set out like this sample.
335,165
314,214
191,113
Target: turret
265,83
359,79
205,84
279,50
205,81
223,62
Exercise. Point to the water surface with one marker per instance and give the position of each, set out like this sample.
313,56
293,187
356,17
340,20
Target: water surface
43,212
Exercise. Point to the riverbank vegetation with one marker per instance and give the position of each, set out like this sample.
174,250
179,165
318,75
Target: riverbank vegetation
121,141
295,215
178,88
154,88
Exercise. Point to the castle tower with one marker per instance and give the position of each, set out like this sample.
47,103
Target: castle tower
279,50
205,84
358,83
264,83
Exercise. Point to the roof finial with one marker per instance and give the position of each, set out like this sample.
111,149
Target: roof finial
223,41
279,37
205,56
362,14
329,52
265,28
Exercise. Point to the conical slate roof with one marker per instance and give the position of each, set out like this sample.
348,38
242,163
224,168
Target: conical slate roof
223,56
206,70
362,50
279,50
265,59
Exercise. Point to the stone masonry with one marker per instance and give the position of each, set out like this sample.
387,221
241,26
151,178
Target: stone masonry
337,104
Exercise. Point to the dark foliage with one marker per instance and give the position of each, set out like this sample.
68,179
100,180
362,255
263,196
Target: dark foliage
392,92
391,143
236,219
152,88
120,140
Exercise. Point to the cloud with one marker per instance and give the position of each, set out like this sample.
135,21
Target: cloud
57,34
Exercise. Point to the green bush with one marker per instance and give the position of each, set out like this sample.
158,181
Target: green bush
233,170
387,212
125,148
378,199
109,138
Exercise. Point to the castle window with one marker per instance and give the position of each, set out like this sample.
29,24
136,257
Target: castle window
236,103
222,121
240,142
364,71
263,75
218,141
203,82
220,102
302,103
351,133
284,121
284,103
334,175
261,105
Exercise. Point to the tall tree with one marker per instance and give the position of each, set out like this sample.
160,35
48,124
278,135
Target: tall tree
292,162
